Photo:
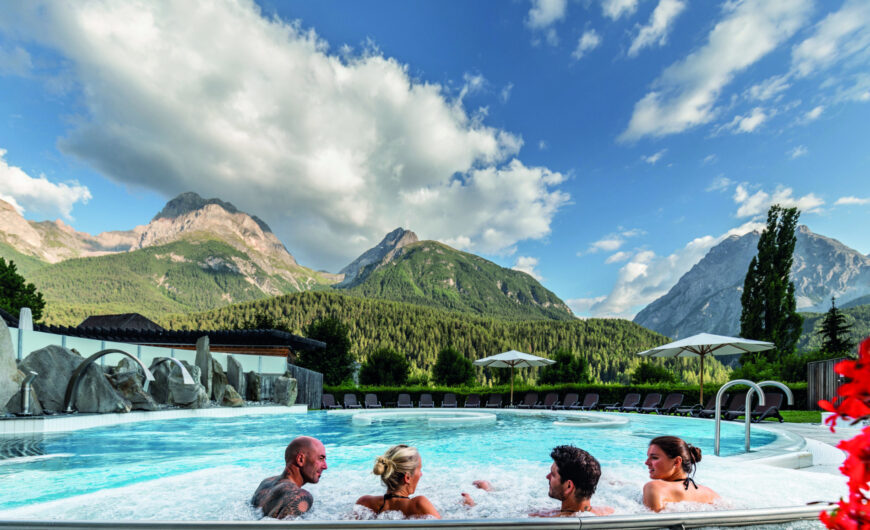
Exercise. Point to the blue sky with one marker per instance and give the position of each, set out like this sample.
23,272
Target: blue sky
603,146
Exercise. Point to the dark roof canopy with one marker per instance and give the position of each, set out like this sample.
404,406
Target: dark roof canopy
126,321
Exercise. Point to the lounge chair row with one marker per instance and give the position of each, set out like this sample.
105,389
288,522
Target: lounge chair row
371,401
734,407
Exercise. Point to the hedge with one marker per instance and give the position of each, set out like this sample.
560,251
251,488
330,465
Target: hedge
609,393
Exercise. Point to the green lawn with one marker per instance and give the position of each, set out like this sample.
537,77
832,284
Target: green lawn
798,416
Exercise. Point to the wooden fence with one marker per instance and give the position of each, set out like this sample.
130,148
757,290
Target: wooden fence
310,384
822,382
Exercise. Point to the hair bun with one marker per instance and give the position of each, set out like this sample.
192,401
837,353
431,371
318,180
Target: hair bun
383,467
695,452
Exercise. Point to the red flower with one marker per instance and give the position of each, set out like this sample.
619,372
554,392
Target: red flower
853,513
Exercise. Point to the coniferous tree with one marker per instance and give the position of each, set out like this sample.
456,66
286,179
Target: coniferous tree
569,368
452,368
336,361
769,306
835,331
16,293
385,367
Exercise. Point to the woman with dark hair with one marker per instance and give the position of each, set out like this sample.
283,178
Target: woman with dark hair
671,463
400,470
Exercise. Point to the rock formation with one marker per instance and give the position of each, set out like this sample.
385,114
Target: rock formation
285,390
252,386
205,363
232,398
235,375
189,396
218,382
127,379
10,377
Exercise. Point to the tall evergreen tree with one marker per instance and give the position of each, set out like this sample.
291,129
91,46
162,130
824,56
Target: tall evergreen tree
16,293
835,331
769,306
336,361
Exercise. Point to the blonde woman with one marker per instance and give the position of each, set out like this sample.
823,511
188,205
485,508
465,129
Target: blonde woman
400,469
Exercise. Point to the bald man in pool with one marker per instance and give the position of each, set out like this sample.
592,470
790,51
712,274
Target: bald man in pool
282,496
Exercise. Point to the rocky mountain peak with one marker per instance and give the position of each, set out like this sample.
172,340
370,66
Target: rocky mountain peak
382,253
190,201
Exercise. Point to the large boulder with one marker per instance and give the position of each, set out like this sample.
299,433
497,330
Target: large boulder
204,362
55,365
285,390
218,382
232,398
13,406
127,380
159,388
10,376
252,386
189,396
235,375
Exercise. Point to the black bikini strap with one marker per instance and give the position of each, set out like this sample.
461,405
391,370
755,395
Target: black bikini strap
686,481
388,496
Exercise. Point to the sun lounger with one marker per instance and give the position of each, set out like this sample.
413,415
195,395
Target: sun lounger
405,401
350,402
630,400
736,403
328,402
674,400
770,409
371,401
550,401
590,401
473,400
529,401
650,402
695,409
571,399
494,401
449,401
426,401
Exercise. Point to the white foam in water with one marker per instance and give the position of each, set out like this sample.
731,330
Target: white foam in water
36,458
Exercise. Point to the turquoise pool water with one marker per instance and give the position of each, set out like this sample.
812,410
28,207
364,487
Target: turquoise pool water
207,468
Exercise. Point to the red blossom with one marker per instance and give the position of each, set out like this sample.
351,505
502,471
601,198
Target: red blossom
853,513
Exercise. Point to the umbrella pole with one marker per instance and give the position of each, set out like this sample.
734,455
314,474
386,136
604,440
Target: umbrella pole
512,386
702,380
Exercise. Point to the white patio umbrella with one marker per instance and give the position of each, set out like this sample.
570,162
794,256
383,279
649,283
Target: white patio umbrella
704,344
512,359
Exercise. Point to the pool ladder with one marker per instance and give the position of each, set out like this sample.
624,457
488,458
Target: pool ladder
754,387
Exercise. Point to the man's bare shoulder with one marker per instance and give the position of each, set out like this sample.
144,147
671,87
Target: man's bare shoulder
280,498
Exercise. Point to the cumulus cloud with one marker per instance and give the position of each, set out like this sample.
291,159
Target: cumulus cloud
851,200
748,123
616,9
527,264
332,150
648,276
686,92
588,41
656,31
38,194
618,257
653,158
543,14
752,204
841,34
798,151
613,241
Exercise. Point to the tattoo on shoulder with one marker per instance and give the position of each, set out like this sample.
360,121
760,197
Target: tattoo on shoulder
293,501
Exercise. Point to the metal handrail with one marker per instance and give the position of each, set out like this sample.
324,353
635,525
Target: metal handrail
781,386
729,384
73,386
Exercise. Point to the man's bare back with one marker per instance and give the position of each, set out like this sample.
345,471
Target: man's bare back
280,498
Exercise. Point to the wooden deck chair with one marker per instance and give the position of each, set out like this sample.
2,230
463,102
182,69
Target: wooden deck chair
449,401
674,400
405,401
371,401
328,402
550,401
630,400
473,400
426,401
529,401
350,402
590,401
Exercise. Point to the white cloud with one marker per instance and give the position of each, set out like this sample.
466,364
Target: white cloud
588,41
859,91
653,158
505,93
616,9
542,145
851,200
546,12
759,202
798,151
748,123
613,241
685,94
769,88
15,61
40,195
840,34
720,183
472,84
709,159
332,150
527,264
648,276
660,24
618,257
814,113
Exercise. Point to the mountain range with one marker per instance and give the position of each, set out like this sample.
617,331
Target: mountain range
707,297
198,254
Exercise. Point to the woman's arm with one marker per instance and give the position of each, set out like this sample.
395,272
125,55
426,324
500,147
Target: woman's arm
424,507
652,496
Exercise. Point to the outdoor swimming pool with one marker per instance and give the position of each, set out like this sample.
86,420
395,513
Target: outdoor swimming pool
207,468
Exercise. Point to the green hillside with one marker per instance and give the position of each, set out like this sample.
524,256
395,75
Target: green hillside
180,277
420,332
432,274
858,317
23,263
